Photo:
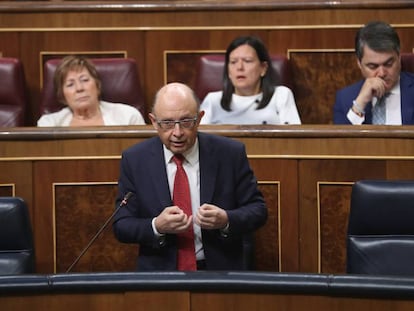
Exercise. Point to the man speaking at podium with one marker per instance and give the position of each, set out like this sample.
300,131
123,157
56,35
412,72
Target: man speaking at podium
195,198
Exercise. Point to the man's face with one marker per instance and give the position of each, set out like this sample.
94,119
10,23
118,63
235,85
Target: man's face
170,108
385,65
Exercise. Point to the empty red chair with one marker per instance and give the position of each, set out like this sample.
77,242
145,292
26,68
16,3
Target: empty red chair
13,93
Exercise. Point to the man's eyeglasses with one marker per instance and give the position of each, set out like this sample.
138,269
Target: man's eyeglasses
170,124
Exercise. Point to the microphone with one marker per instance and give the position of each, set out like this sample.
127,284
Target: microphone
123,203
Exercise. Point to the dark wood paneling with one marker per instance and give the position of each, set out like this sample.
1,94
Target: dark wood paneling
17,175
110,300
317,75
334,207
85,218
267,241
250,301
81,209
6,190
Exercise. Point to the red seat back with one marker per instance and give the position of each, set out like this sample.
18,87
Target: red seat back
13,93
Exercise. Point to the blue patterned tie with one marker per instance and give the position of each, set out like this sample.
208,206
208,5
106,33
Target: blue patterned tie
378,111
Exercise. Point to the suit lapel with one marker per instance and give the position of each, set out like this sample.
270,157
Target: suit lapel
208,168
158,174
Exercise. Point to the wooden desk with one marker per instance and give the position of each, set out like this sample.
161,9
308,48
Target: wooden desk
69,178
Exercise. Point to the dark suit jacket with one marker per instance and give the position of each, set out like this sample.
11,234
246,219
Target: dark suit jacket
226,180
345,96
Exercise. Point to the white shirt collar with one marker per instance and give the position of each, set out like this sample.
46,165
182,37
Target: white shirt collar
191,155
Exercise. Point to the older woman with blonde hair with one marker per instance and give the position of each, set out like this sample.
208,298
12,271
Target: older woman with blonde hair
77,85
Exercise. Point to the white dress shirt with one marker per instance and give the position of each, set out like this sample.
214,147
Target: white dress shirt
392,109
192,168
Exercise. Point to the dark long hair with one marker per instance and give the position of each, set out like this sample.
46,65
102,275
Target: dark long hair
268,81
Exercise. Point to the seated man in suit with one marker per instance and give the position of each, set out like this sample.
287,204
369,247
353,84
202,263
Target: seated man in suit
385,95
195,198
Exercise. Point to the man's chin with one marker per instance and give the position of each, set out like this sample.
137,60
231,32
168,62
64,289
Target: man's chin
177,148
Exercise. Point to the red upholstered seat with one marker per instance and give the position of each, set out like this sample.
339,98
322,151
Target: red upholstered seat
407,62
210,73
120,83
13,93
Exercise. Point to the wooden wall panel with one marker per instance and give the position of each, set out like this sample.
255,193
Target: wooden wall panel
47,175
16,180
7,190
80,211
333,211
281,172
267,238
290,302
317,75
154,301
240,299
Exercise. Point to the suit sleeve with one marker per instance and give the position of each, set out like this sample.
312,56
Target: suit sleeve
341,109
250,212
129,225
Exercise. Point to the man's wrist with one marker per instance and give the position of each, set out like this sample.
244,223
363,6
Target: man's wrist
357,109
158,234
225,231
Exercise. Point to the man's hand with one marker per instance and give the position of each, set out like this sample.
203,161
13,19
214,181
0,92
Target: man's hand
211,217
172,220
372,87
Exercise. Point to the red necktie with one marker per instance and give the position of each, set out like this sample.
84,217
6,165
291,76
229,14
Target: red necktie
186,260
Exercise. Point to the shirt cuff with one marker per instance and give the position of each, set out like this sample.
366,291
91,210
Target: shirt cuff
159,236
225,231
155,229
354,118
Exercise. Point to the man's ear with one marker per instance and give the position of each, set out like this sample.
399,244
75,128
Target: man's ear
153,120
359,64
200,115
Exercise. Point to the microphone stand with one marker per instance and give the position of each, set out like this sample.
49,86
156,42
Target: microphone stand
123,203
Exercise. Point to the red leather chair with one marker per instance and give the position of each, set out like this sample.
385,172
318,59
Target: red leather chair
13,93
407,62
210,73
120,83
